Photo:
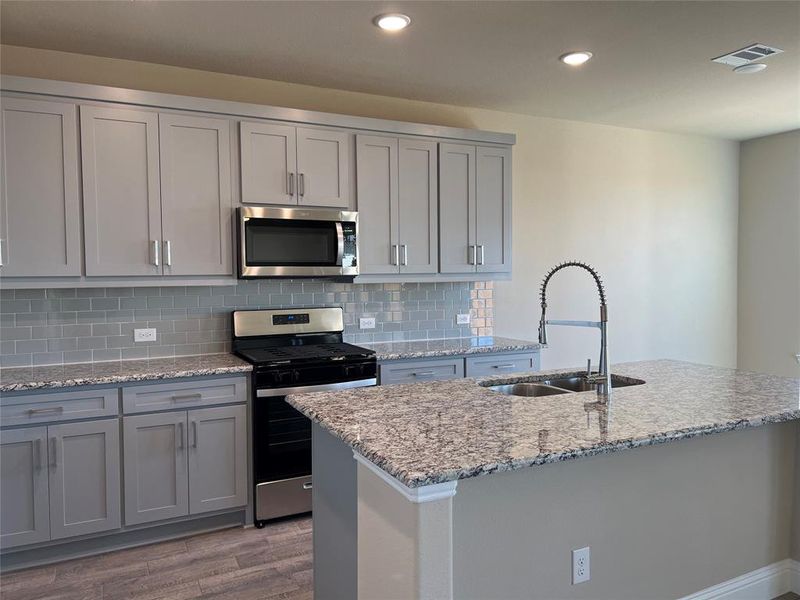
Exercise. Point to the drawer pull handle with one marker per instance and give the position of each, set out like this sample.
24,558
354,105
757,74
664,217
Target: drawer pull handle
308,485
503,366
424,374
45,411
187,397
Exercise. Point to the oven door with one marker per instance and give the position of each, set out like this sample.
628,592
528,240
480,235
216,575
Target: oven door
292,242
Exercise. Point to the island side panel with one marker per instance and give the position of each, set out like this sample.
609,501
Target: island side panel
335,506
662,521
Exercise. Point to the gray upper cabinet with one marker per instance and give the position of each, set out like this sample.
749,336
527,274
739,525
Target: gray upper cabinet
397,180
25,517
475,208
84,477
376,178
121,196
156,468
323,167
418,207
39,195
268,163
217,458
493,209
196,207
457,252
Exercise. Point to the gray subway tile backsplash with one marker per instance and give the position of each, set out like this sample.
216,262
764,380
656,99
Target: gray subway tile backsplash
55,326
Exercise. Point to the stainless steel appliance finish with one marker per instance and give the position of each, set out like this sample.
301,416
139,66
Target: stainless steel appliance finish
267,235
293,352
603,377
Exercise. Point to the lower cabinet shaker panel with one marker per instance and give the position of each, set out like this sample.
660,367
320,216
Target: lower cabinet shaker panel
84,477
156,474
25,515
217,458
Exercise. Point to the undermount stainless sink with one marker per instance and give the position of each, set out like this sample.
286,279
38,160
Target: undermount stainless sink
559,385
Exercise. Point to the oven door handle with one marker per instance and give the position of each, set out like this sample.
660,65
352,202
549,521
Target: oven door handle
339,243
326,387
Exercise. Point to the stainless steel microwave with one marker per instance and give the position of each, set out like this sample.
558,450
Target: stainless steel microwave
297,242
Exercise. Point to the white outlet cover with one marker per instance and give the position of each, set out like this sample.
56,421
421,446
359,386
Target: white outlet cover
462,319
144,335
366,322
581,565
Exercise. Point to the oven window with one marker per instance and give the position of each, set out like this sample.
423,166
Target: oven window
281,243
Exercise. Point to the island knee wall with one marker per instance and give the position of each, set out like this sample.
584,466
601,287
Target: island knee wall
663,521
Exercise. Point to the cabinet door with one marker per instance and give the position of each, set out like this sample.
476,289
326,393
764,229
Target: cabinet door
196,206
156,468
457,208
39,202
419,210
493,209
269,163
25,515
323,167
84,477
217,458
376,180
121,198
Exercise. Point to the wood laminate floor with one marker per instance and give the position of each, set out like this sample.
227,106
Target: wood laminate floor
245,564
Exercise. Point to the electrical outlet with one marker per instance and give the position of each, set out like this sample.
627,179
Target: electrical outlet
366,322
581,565
144,335
462,319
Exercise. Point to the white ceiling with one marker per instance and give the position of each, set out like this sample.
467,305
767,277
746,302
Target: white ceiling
651,68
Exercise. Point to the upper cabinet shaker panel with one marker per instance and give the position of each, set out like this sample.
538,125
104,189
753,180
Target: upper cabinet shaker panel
323,167
268,163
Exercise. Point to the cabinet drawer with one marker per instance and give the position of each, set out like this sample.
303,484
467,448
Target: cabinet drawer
499,364
184,394
428,370
59,406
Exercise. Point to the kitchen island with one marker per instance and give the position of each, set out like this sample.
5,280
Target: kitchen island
458,491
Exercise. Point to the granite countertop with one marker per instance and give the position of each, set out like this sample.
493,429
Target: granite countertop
444,431
449,347
19,379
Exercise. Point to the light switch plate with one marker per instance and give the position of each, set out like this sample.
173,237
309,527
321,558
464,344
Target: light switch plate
462,319
144,335
366,322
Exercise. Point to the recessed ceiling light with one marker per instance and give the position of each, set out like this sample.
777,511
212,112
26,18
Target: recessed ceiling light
751,68
392,22
575,59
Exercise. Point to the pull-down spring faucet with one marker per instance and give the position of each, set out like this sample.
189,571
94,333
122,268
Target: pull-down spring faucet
603,377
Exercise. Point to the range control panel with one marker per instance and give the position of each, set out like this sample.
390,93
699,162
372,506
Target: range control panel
293,319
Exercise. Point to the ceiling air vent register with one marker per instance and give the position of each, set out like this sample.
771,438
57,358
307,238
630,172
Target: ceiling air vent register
747,55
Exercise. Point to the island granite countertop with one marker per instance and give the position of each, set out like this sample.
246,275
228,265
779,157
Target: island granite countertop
421,349
423,434
19,379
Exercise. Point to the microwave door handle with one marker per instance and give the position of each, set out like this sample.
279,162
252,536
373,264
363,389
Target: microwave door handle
340,243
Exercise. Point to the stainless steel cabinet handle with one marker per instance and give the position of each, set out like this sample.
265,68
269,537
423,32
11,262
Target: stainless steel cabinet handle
503,366
187,397
37,450
395,255
179,435
32,412
53,447
291,184
424,374
2,242
308,485
480,254
168,253
194,434
302,185
155,245
405,254
471,258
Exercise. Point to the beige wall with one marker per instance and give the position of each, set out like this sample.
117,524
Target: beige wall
769,254
662,522
656,213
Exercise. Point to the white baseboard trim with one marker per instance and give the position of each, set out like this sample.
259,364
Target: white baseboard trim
766,583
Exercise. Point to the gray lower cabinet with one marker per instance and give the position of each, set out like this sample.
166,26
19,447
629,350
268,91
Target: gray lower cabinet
474,209
499,364
84,475
184,462
40,228
25,514
421,371
156,467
